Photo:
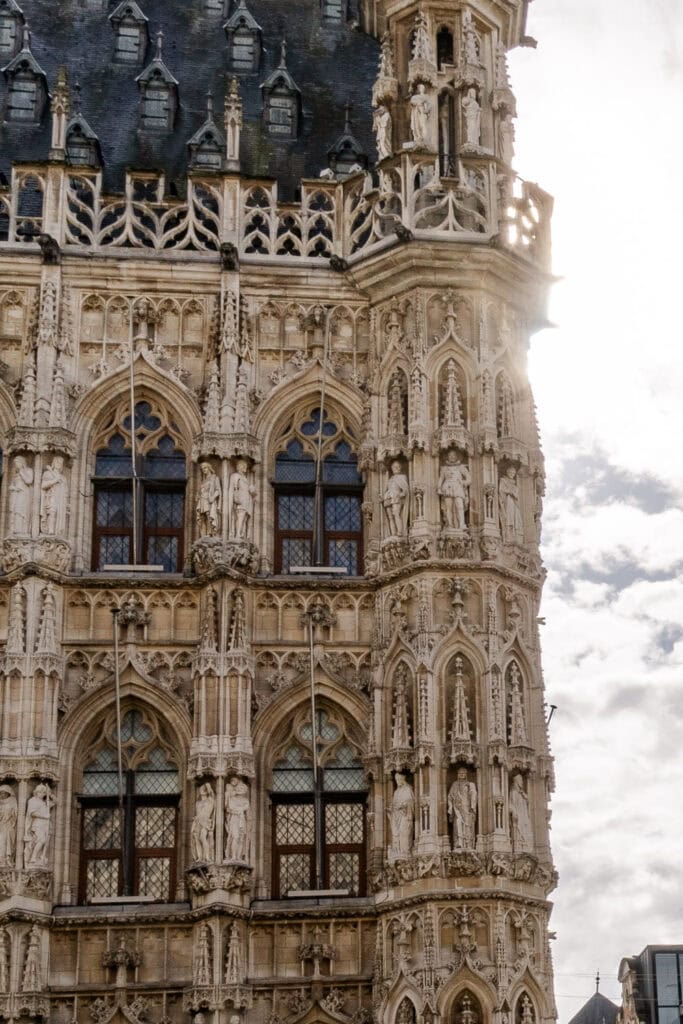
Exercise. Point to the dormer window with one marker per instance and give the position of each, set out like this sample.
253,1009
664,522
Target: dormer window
281,96
131,34
333,10
207,146
244,39
159,95
26,87
81,149
11,22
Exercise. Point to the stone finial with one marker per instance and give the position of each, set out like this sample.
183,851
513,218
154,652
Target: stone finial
59,108
233,126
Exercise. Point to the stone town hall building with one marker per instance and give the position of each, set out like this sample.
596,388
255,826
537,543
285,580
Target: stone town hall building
272,733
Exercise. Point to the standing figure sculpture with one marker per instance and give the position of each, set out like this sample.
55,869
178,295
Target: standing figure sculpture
20,490
237,808
520,818
203,824
30,981
508,505
472,112
209,503
462,811
37,827
53,498
420,114
395,501
454,492
382,124
402,819
241,494
8,826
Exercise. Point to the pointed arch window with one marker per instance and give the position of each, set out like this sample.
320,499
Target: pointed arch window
331,855
128,847
318,517
156,477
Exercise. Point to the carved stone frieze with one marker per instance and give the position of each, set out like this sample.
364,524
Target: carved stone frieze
34,882
210,553
228,877
226,446
52,552
57,440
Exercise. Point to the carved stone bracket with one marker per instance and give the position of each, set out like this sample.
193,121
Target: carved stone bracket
215,997
31,767
467,75
226,446
454,544
391,446
228,877
452,437
210,553
400,760
395,552
52,552
220,763
53,439
512,450
34,883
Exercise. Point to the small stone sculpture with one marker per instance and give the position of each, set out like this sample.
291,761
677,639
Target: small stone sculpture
237,807
37,827
472,112
420,114
382,126
462,811
395,501
508,505
520,819
203,824
209,503
241,494
506,134
8,826
30,981
20,491
53,498
402,819
454,492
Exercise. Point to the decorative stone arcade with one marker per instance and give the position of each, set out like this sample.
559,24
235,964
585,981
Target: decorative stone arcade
272,735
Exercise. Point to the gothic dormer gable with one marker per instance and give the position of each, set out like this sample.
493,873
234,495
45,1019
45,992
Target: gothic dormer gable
207,145
244,39
281,100
82,144
347,154
11,28
158,94
27,92
131,33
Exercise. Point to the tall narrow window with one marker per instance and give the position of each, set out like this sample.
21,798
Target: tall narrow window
444,47
129,850
331,855
159,487
318,522
447,160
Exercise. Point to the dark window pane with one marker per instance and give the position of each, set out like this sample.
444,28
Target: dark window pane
343,553
164,509
133,728
101,828
102,879
295,511
341,467
343,513
155,826
344,780
165,462
162,551
154,877
144,420
344,872
294,825
294,466
295,552
114,460
114,550
113,508
311,427
667,979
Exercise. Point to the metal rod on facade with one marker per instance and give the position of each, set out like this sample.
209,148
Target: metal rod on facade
133,454
119,747
317,509
317,808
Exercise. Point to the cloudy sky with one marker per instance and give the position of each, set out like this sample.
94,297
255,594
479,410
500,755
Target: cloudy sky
600,127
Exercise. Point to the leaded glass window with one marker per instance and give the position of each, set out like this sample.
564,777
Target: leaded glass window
159,484
128,847
329,530
334,857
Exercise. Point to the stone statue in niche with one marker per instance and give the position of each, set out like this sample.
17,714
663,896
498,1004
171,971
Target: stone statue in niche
402,819
8,826
520,818
472,112
203,975
37,827
470,41
237,807
382,124
20,491
209,503
241,494
420,114
506,136
203,824
53,498
508,506
30,981
454,492
462,811
395,500
4,961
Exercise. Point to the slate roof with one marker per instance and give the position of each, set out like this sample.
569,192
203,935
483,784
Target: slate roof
331,65
598,1010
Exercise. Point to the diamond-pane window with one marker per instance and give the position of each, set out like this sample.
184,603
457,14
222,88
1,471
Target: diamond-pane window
154,877
294,824
155,826
345,872
101,828
102,879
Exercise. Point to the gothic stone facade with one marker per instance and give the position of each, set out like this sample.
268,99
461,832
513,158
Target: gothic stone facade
217,389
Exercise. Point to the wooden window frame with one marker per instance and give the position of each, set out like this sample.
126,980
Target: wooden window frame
327,490
124,485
